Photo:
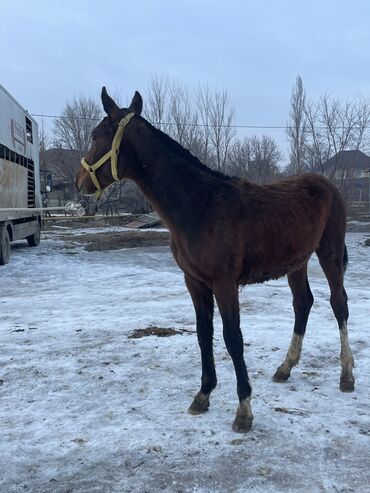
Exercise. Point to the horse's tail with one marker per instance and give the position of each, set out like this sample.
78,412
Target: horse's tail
345,258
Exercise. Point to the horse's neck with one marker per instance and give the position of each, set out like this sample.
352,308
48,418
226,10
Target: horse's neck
169,180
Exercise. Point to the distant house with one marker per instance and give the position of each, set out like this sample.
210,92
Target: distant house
350,171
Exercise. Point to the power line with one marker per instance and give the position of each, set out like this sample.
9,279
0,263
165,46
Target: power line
168,123
205,125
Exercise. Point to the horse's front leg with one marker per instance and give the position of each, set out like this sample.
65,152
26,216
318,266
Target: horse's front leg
202,297
227,298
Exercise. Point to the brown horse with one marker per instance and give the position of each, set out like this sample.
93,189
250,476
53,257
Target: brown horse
227,232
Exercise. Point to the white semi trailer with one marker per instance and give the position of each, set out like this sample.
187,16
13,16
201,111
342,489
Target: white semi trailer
20,198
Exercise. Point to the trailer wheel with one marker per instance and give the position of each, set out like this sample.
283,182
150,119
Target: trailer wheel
34,239
4,246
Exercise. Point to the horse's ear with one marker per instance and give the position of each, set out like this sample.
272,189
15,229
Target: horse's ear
136,105
110,107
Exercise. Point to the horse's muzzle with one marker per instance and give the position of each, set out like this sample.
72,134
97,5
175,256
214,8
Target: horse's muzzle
84,184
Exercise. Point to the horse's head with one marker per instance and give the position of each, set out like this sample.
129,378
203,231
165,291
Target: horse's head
102,164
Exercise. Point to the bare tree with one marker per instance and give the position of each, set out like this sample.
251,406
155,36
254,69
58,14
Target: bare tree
72,132
183,118
217,131
255,158
73,129
203,124
240,158
155,108
265,159
316,149
222,131
297,128
203,103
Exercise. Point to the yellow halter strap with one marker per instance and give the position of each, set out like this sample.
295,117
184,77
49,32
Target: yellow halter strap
112,155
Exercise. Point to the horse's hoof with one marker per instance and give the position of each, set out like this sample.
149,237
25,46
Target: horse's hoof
199,405
347,385
242,424
280,377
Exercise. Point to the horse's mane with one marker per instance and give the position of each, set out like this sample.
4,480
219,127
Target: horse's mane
184,153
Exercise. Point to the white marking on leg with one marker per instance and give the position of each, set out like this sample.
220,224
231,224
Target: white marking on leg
245,408
295,349
346,356
244,416
293,354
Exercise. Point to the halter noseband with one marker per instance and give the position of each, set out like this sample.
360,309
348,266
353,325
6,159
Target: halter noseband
112,155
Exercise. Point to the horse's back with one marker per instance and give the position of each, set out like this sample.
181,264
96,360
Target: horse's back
284,224
258,232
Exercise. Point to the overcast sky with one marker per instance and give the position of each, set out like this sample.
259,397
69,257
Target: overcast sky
54,50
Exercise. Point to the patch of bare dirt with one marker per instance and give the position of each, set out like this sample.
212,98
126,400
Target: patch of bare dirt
123,239
73,222
115,241
157,331
65,229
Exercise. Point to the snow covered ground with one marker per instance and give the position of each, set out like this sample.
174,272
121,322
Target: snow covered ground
85,409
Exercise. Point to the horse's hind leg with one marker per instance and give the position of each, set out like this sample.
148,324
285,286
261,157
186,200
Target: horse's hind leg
202,297
333,262
226,293
302,303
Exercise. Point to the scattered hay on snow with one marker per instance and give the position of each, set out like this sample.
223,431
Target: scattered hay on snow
156,331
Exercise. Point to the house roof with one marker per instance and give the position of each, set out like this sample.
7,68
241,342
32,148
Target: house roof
348,160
